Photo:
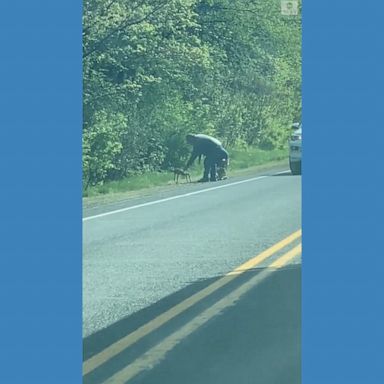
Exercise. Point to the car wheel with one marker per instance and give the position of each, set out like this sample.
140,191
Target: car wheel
295,167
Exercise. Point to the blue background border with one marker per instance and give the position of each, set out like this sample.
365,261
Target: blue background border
343,227
40,247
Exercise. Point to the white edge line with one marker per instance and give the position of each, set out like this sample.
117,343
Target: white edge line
178,196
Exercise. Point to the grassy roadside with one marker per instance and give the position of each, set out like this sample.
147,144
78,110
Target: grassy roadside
241,161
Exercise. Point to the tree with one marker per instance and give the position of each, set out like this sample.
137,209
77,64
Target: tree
155,70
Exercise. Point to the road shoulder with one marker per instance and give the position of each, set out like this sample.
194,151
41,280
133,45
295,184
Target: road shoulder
99,204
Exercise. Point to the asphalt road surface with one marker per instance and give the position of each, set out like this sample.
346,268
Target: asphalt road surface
196,284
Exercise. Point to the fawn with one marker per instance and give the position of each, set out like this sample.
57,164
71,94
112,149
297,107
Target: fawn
177,172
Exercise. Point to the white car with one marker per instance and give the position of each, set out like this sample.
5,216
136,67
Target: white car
295,149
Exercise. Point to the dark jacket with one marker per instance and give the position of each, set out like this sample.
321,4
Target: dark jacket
204,145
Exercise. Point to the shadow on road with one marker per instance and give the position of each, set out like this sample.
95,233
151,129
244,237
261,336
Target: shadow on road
257,340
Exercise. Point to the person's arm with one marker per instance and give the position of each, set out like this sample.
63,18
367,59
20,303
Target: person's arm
194,154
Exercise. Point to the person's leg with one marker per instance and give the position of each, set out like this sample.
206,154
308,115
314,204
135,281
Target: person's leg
207,166
213,171
222,169
210,167
221,172
221,162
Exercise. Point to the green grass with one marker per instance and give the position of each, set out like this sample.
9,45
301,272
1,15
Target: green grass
133,183
243,159
240,160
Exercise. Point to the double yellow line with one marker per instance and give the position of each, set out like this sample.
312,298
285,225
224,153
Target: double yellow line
156,353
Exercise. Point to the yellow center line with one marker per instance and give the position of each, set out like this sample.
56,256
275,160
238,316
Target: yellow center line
126,341
154,355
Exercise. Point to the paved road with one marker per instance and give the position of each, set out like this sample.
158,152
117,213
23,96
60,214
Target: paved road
153,253
252,342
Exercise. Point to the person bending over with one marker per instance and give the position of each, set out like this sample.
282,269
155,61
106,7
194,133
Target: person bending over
215,155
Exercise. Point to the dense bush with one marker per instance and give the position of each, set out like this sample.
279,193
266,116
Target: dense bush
157,69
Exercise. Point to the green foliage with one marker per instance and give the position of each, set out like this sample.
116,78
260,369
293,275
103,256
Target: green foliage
155,70
242,159
102,147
